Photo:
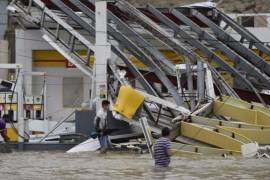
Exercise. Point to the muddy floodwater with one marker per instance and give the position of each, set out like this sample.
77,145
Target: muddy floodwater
62,166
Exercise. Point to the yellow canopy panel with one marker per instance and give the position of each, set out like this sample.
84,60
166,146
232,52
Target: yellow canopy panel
242,114
53,59
261,136
128,101
236,101
245,104
202,150
234,135
234,124
211,137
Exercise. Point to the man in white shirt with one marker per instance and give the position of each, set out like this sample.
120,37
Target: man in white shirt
101,126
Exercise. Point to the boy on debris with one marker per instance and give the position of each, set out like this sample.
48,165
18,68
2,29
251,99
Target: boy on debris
101,122
162,149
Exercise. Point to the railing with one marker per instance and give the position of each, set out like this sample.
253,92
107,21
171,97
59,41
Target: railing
57,125
70,40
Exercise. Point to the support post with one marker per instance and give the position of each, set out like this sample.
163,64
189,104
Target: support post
46,121
178,77
209,85
190,83
200,80
92,93
19,89
29,6
102,52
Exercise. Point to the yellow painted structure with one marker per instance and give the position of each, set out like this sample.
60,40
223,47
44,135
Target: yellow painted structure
179,59
202,150
12,135
227,77
240,113
234,135
128,101
245,104
261,108
263,55
11,107
262,136
136,62
211,137
258,133
234,124
53,59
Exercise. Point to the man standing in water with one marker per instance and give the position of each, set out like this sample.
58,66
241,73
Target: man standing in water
101,122
3,130
162,149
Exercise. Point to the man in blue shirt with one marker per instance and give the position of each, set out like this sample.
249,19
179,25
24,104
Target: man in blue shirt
162,149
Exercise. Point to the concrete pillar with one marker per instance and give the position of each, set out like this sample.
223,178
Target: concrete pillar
102,53
24,56
19,89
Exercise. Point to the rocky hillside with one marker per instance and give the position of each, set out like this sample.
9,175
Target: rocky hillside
236,6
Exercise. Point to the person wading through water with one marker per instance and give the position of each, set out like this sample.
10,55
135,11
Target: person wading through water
3,129
101,122
162,149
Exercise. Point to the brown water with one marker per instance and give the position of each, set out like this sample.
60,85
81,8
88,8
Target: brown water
59,165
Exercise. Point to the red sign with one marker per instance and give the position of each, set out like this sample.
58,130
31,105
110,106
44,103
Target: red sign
69,65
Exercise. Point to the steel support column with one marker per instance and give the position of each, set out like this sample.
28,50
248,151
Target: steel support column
102,53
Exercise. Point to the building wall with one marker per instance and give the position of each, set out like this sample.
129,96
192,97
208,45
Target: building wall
26,42
3,18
